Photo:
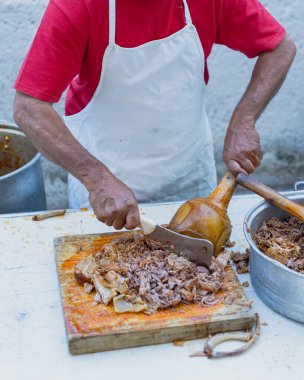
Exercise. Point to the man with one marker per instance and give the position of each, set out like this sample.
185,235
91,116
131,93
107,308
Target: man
135,126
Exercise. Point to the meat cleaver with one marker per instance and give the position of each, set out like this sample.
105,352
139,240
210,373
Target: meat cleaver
199,251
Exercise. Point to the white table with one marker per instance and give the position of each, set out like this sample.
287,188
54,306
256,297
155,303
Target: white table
32,336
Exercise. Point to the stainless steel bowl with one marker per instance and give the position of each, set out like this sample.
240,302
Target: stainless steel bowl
278,286
21,179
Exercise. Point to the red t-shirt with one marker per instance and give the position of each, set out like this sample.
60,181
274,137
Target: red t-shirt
70,43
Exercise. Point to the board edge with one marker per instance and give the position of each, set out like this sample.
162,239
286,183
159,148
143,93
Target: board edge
110,342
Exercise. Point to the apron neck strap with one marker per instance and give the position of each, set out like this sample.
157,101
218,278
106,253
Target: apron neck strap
112,19
187,13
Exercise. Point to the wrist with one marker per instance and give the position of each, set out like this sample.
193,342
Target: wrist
242,118
95,176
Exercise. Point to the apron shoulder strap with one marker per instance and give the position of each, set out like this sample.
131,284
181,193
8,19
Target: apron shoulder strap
187,13
112,21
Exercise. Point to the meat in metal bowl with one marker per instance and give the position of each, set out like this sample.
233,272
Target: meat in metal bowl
279,287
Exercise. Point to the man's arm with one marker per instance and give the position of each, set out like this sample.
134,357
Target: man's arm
242,149
112,201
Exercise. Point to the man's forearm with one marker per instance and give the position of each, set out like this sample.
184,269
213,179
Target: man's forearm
112,201
242,149
268,75
51,137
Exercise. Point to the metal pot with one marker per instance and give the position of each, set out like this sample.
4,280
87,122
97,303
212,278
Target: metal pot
278,286
21,179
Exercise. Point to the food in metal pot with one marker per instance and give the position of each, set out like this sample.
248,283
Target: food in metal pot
140,274
283,240
21,178
9,160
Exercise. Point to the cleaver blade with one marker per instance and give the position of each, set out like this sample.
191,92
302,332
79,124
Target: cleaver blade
200,251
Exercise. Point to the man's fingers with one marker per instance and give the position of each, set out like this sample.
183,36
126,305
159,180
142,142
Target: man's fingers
255,159
120,222
247,165
117,218
125,217
235,168
112,216
109,221
133,219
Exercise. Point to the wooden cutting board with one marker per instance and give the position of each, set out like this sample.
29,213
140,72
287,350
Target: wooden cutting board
92,328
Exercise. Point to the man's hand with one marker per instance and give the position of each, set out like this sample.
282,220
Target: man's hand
114,203
242,149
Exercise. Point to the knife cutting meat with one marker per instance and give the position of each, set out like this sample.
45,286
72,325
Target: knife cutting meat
200,227
197,250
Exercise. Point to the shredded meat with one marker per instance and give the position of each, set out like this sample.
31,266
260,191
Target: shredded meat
296,264
241,261
84,271
230,244
283,240
141,274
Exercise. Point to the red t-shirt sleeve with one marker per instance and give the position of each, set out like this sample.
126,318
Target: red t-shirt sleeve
56,53
246,26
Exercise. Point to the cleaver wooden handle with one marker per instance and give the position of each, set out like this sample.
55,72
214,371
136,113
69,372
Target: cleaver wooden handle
147,225
271,196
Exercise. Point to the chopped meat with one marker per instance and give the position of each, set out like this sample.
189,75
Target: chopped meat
241,260
246,303
283,240
104,289
296,265
208,300
88,288
224,257
230,244
84,270
116,281
123,306
141,274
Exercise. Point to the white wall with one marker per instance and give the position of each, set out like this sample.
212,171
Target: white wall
281,126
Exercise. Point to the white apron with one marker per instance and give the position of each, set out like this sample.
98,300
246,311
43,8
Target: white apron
147,122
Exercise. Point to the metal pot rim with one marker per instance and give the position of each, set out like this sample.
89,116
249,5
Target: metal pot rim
258,207
16,130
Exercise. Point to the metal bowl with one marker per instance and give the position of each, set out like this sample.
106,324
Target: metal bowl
279,287
21,179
